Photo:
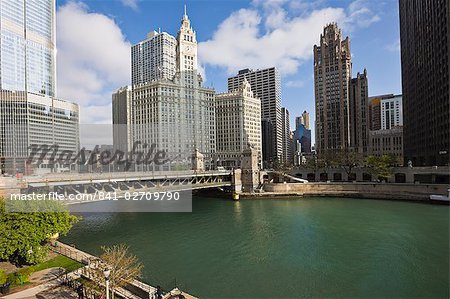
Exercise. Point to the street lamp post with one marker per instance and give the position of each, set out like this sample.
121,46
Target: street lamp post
107,272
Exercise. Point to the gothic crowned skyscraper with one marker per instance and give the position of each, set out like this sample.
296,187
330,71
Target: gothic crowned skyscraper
341,102
332,73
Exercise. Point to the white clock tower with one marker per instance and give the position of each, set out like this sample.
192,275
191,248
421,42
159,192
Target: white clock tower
187,47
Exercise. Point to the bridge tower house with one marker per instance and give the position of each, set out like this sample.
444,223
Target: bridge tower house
198,161
250,170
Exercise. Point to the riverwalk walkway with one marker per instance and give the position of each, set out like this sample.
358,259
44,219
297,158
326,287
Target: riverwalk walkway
88,259
46,286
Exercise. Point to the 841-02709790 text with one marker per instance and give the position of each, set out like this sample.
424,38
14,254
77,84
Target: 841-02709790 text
156,196
140,195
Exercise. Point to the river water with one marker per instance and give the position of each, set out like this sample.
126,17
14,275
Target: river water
313,247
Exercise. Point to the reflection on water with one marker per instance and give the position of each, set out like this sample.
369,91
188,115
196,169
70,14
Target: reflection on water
285,248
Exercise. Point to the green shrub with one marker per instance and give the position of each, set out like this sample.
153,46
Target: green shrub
26,273
3,277
15,279
20,277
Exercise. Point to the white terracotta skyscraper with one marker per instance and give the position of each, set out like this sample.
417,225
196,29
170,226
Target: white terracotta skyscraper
170,107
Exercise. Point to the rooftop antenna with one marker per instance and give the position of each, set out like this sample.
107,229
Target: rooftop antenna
185,14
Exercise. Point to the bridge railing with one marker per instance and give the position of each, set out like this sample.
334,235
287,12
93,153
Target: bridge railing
120,175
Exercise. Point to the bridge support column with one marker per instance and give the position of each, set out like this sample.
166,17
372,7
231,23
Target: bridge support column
250,170
236,181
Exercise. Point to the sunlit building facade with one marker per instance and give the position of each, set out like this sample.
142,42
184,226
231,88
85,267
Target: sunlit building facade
238,124
266,85
30,113
27,46
171,109
154,58
30,120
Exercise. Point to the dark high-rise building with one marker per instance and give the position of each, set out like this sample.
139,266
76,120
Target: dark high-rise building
267,142
286,138
424,36
359,113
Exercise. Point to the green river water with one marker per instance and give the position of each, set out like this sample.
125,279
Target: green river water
306,248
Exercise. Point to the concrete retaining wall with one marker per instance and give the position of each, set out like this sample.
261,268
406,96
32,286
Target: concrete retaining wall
9,185
366,190
423,175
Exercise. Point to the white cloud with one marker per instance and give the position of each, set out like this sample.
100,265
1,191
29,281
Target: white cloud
361,14
275,19
305,6
295,83
97,114
93,60
241,41
130,3
237,43
274,14
393,47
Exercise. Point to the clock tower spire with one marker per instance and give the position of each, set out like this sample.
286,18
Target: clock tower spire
187,46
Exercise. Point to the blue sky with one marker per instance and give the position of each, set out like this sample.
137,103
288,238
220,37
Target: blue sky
93,40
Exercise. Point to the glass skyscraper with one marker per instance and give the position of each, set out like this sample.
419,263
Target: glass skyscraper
27,46
30,113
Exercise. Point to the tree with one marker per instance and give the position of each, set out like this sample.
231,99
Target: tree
381,167
23,234
348,160
124,267
314,163
276,164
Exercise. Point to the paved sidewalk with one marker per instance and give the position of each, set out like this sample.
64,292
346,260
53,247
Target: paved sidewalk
58,293
46,275
32,292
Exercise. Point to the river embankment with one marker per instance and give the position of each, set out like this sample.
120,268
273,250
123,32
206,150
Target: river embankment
409,192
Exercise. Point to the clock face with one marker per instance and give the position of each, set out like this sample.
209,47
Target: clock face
188,49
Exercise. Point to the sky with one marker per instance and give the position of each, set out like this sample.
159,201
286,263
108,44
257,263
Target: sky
94,39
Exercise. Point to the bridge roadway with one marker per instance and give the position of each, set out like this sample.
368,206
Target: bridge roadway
89,182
